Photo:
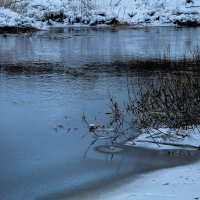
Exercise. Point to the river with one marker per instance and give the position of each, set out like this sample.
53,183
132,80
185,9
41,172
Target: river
47,80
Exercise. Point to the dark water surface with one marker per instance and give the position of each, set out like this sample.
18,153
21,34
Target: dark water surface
47,80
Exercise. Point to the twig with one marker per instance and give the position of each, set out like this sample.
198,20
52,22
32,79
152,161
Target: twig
117,3
170,144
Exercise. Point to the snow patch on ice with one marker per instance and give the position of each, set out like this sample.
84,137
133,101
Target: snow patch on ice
166,138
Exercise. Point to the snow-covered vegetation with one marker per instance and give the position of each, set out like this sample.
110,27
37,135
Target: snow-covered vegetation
43,14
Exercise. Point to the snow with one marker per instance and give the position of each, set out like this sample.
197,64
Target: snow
14,19
44,14
179,183
165,138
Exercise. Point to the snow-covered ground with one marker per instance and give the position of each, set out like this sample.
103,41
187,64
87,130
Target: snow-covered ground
179,183
47,13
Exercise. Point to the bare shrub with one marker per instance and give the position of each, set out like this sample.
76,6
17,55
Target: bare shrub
171,100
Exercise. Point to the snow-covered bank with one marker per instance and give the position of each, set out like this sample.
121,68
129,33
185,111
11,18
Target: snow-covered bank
43,14
179,183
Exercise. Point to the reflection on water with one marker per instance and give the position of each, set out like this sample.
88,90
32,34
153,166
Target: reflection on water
79,46
46,82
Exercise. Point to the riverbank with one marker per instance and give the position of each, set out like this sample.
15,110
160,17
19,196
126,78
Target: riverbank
180,183
46,14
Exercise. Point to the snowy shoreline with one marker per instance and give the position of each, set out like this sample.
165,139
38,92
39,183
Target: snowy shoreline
47,14
180,183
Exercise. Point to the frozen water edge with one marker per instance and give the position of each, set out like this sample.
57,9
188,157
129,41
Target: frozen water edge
180,183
